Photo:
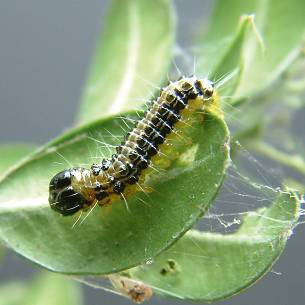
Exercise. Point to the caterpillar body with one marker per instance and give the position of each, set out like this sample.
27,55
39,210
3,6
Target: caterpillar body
123,174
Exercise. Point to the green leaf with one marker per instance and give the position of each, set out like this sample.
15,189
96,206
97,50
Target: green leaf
282,27
225,66
10,154
221,52
232,57
111,239
210,266
131,59
232,60
229,55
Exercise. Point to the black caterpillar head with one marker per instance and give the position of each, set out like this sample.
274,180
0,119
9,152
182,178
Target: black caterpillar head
63,198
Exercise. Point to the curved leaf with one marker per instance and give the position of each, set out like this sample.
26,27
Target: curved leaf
111,239
223,60
282,27
132,57
10,154
228,57
232,61
211,266
232,57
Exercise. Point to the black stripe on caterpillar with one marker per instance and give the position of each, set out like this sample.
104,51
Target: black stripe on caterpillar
122,175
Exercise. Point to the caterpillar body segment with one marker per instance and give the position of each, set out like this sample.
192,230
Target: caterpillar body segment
145,145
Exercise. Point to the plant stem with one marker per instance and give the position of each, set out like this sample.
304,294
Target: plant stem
293,161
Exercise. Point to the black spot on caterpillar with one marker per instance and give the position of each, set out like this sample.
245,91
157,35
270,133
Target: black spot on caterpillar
123,174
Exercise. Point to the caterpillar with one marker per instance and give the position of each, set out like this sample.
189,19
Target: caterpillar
121,175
